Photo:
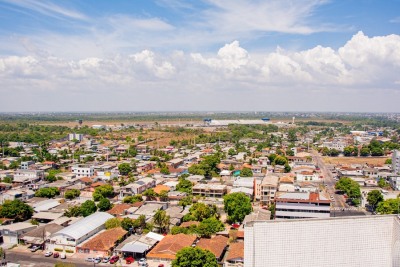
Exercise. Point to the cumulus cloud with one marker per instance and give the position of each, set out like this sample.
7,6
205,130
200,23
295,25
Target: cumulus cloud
361,64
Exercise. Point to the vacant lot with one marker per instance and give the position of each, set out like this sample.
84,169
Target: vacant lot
355,160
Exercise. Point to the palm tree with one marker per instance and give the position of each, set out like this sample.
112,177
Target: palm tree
161,219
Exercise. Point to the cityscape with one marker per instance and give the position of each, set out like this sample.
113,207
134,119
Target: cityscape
215,133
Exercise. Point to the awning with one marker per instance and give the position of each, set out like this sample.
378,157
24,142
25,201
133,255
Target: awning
136,247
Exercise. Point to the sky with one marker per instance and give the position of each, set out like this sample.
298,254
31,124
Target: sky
200,55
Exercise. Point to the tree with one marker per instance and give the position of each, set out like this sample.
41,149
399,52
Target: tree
88,207
72,193
163,195
388,161
287,168
150,194
374,197
104,204
200,211
164,170
364,152
389,206
124,168
246,172
132,199
113,223
210,226
16,209
237,205
376,151
184,186
382,183
185,201
103,191
48,192
231,152
161,219
280,160
351,188
292,135
349,151
194,257
73,211
64,264
127,224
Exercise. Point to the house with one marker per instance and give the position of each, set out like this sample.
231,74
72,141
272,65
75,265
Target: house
12,233
306,176
83,170
138,246
207,190
159,188
119,210
28,176
39,235
103,243
167,248
217,245
137,187
75,234
236,254
175,163
286,184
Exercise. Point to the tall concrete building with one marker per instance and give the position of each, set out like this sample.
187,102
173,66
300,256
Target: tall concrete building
340,241
396,161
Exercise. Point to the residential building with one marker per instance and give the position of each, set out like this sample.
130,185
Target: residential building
235,255
396,161
298,205
103,243
268,188
341,241
138,187
217,245
395,182
12,233
28,176
25,164
82,170
305,176
209,190
167,248
75,136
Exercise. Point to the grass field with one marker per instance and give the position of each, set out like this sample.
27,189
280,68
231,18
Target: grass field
355,160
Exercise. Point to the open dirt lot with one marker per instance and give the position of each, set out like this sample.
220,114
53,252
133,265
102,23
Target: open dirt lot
355,160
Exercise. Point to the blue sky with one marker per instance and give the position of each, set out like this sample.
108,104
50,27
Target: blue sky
300,55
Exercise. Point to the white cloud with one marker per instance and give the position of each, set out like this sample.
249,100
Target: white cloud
364,69
48,9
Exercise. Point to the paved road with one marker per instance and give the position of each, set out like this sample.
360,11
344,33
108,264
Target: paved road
339,206
39,260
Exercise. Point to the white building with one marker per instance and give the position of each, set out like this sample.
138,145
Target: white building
75,136
83,170
73,235
266,190
28,176
138,187
340,241
396,161
299,205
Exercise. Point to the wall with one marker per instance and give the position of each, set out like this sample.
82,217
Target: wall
347,241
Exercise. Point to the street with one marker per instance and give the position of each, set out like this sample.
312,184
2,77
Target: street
339,207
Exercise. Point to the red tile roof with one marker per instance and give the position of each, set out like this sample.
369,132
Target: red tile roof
105,240
236,251
216,245
170,245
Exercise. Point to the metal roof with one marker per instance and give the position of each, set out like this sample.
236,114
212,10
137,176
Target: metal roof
85,225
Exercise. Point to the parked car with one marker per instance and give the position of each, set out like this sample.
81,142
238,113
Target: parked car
114,259
106,259
161,265
142,260
97,260
63,256
48,254
129,260
56,255
34,248
90,259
